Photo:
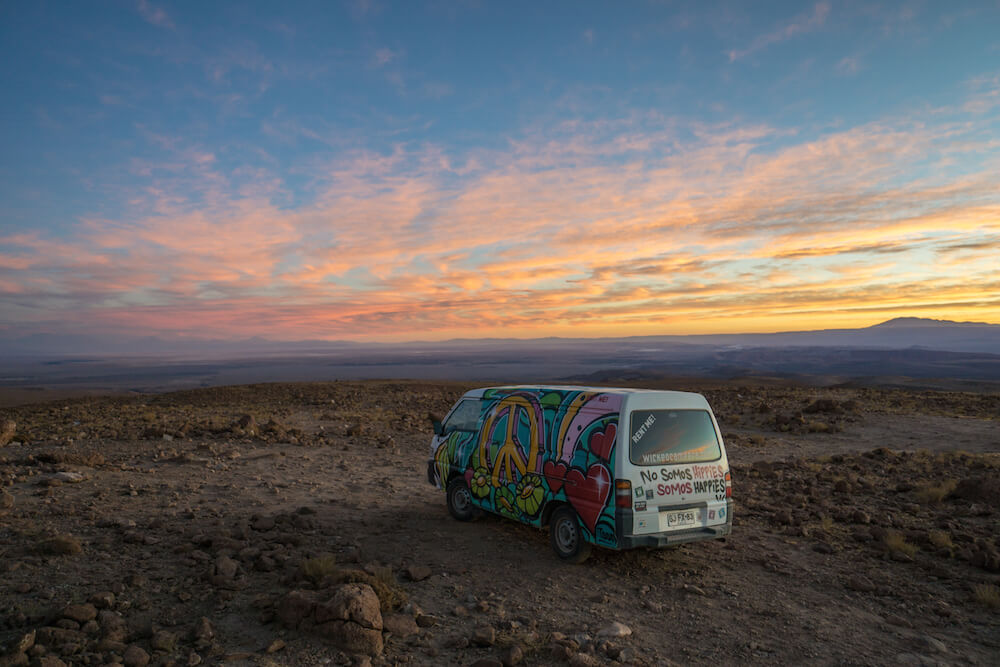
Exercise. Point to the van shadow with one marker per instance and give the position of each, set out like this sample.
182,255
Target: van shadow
426,532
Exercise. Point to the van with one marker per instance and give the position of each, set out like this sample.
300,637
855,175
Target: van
615,468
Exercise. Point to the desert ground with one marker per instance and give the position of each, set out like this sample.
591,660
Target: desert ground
277,524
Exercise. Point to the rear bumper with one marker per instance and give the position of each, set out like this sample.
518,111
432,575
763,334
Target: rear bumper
627,541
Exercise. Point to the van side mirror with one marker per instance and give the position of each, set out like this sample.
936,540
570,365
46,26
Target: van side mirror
435,423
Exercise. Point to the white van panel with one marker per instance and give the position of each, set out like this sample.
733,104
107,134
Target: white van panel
672,497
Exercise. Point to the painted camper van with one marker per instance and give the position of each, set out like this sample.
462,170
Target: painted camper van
616,468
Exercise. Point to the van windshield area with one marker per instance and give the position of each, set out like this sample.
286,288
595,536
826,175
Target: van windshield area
465,417
672,436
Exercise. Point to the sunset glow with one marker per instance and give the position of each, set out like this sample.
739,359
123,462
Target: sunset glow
383,171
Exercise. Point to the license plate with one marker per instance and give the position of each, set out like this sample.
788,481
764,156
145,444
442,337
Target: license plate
681,518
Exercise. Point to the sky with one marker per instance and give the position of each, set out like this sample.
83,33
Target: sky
389,171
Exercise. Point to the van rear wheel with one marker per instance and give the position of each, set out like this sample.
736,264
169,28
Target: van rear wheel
567,538
460,500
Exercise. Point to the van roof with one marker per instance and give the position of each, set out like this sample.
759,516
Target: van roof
602,390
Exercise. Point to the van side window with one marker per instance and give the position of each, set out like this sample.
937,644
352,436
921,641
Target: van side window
465,417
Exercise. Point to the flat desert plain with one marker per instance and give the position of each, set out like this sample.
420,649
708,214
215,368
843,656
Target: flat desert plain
279,524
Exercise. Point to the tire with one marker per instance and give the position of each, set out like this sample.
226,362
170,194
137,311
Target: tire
566,536
460,500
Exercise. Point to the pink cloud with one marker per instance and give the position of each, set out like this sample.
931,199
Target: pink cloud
801,24
155,15
600,227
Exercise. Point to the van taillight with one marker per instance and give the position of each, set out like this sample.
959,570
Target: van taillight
729,486
623,493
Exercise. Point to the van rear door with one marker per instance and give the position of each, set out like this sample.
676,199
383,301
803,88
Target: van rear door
675,459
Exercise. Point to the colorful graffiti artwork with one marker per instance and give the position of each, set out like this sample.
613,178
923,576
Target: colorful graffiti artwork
533,447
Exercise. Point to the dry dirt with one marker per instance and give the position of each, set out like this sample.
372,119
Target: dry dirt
866,533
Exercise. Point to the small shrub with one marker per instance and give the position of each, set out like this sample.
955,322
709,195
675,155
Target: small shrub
817,427
987,594
60,545
383,582
940,539
895,542
314,569
826,524
954,455
932,494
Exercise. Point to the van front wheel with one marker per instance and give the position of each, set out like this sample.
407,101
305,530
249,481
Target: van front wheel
567,538
460,500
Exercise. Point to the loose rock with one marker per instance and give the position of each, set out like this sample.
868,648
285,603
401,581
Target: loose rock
487,662
24,643
14,660
484,636
104,600
418,572
514,655
294,607
49,661
113,626
860,584
614,630
401,625
135,656
202,630
226,567
584,660
163,641
81,613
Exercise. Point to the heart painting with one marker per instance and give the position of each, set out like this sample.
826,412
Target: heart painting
589,494
601,442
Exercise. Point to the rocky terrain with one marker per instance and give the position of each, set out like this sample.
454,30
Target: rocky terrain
293,524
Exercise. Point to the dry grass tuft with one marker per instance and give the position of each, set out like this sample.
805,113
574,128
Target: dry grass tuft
954,455
895,543
383,582
826,524
315,569
323,571
987,594
932,494
940,539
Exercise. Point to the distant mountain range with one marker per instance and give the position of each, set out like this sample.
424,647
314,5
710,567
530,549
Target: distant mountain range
899,351
899,333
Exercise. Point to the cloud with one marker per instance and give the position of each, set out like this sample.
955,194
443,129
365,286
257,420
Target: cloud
848,66
986,94
383,57
804,23
155,15
576,227
438,90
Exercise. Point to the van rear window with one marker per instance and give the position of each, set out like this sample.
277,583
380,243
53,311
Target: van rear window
672,436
